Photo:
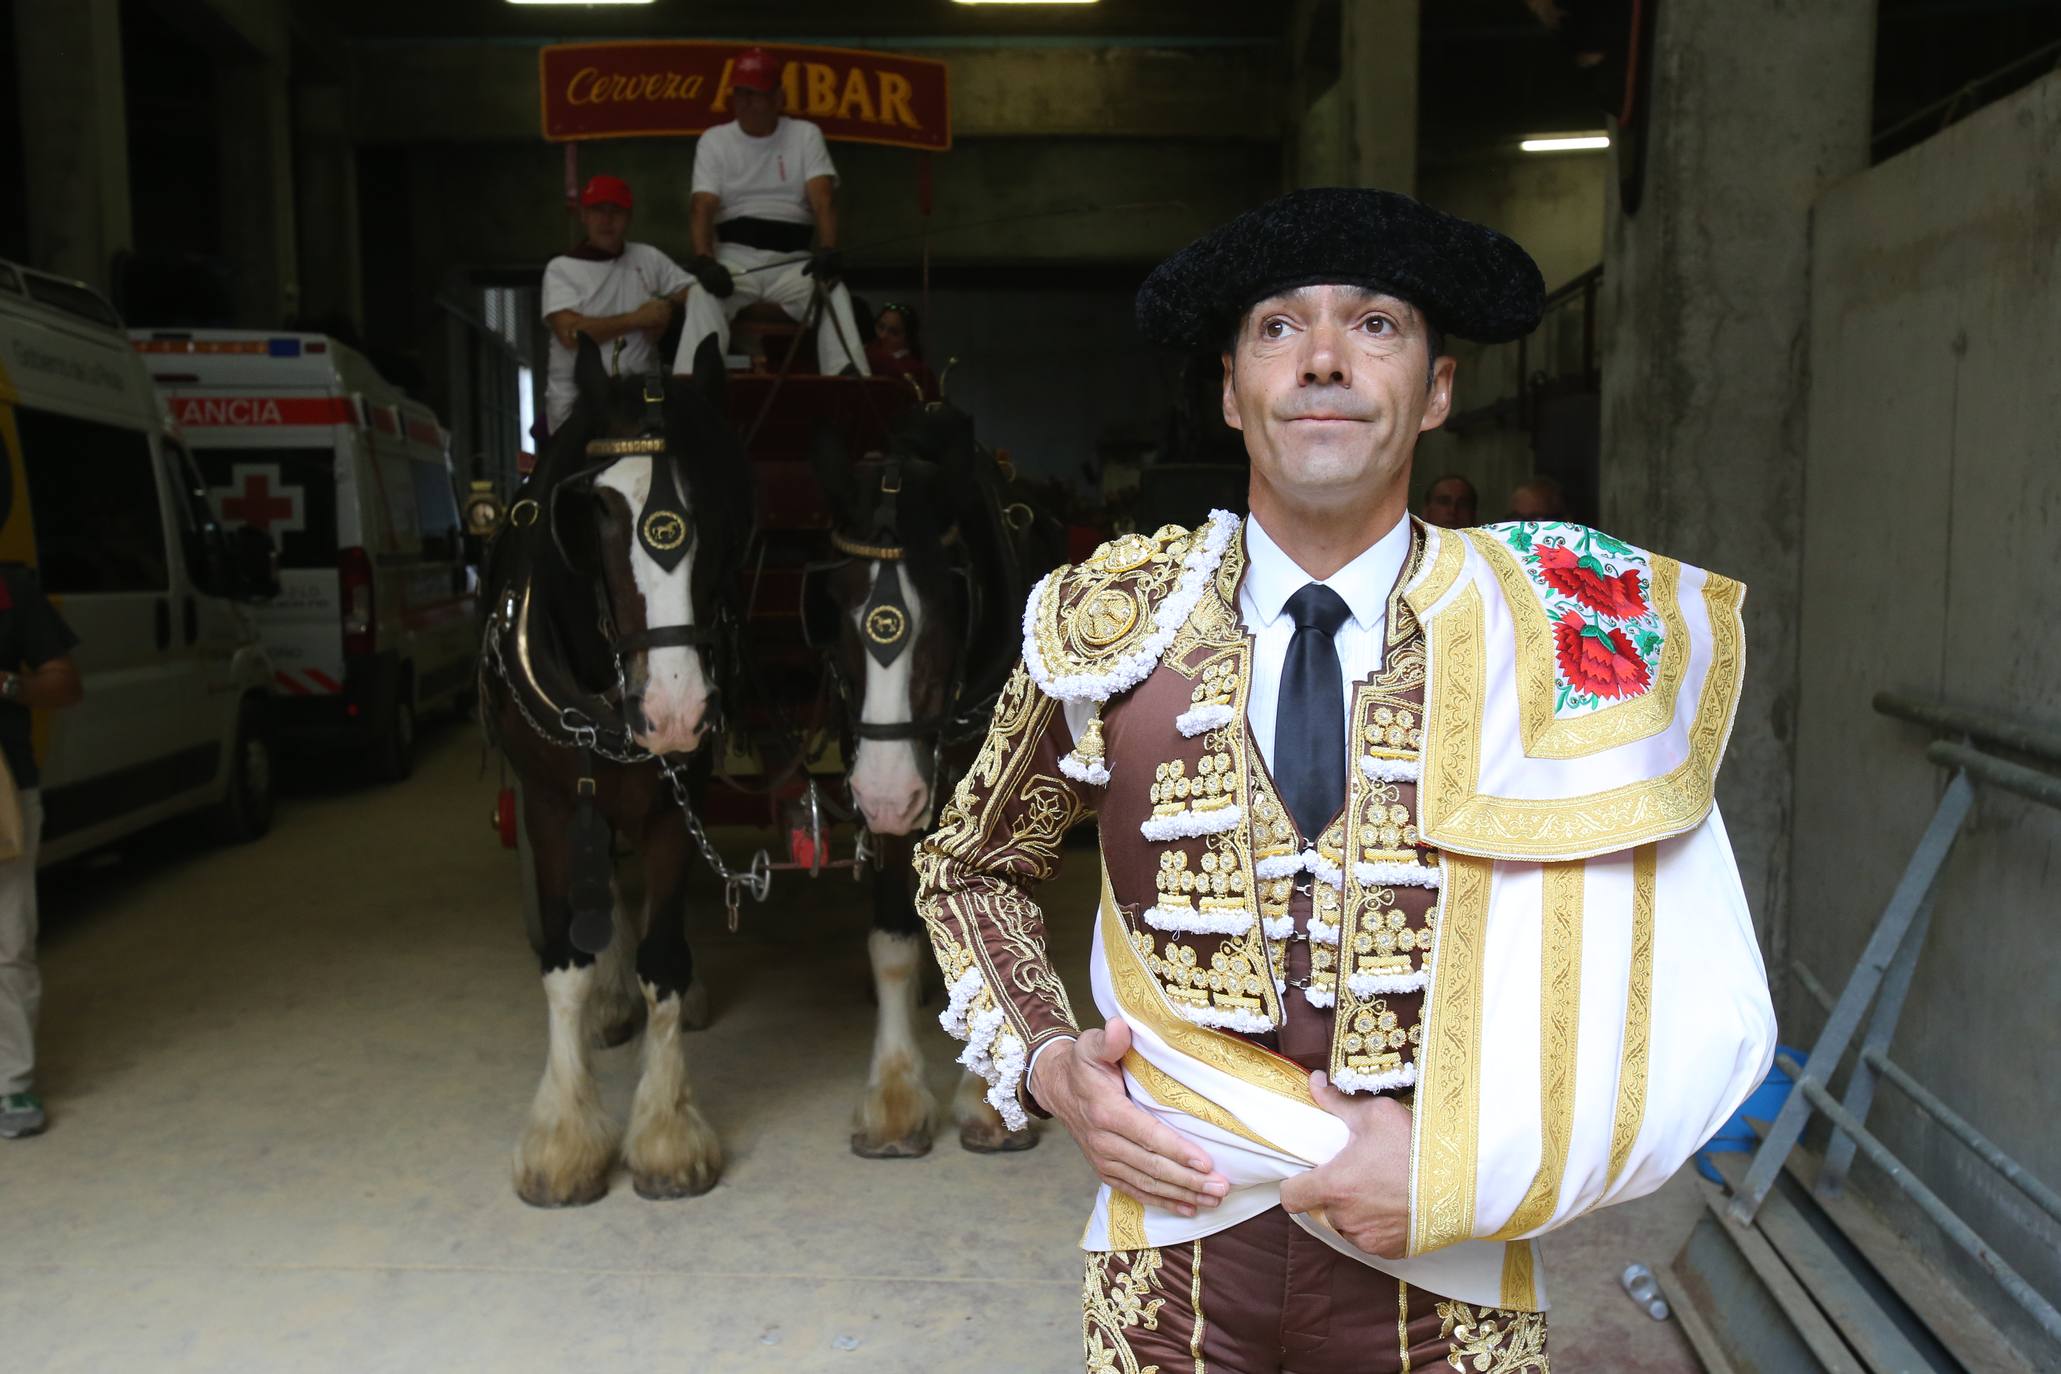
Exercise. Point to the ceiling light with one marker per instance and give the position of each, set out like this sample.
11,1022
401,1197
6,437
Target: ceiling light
579,2
1026,2
1566,143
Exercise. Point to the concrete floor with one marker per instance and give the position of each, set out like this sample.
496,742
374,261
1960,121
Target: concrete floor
285,1081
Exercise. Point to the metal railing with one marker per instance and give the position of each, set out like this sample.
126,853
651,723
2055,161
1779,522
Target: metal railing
1883,977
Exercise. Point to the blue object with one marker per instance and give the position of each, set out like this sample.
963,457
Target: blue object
283,348
1764,1103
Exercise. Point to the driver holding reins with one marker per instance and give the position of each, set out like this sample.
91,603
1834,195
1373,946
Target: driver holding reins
765,190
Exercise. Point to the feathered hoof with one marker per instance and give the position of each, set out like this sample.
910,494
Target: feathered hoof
539,1191
908,1147
993,1138
564,1160
897,1117
671,1188
674,1156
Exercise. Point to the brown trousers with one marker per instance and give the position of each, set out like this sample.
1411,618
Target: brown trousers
1266,1297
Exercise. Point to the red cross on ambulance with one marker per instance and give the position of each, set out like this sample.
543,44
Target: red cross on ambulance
257,496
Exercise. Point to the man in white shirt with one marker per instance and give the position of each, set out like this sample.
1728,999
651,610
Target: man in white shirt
764,191
619,294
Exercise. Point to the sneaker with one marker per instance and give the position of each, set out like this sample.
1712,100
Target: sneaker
21,1114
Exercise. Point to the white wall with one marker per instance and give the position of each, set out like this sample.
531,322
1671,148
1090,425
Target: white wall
1932,565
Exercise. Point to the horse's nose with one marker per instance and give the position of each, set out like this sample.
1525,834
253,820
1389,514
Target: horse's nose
634,716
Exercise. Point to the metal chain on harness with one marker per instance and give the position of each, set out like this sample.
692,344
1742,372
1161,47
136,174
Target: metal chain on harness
575,730
757,876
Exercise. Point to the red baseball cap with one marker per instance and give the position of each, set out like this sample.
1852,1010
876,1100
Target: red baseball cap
755,70
606,190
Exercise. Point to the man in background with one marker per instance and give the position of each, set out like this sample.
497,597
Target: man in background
765,190
618,293
1541,498
1450,503
36,674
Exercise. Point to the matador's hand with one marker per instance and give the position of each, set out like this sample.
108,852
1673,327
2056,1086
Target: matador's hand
1079,1082
1364,1190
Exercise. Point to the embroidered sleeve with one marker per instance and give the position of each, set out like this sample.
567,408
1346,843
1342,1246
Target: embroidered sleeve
997,839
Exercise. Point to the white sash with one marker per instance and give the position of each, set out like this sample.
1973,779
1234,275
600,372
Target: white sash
1251,1110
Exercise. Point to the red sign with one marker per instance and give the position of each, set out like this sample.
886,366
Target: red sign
262,410
633,90
424,432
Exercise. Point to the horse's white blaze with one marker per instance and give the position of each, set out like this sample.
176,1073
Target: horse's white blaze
675,690
898,1104
569,1143
888,777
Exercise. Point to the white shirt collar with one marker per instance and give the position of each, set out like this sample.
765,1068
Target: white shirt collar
1271,576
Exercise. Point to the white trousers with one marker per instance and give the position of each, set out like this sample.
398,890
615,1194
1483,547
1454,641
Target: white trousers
837,335
21,984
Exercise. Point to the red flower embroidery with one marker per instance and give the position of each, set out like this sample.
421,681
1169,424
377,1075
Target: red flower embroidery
1598,660
1583,579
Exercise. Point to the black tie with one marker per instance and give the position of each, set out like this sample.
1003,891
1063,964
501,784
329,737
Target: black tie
1309,717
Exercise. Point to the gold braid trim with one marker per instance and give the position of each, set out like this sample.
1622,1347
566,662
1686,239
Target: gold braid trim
1488,1340
1560,1012
1638,1018
1116,1291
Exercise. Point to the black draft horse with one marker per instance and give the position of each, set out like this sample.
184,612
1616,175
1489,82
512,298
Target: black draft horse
605,601
917,616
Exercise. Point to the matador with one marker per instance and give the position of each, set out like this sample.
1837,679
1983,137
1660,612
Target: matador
1419,934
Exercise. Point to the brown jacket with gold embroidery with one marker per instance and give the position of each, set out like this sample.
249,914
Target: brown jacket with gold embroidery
1241,920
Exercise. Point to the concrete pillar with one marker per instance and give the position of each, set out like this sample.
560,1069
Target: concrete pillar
1352,94
1755,106
1379,58
75,143
254,128
326,178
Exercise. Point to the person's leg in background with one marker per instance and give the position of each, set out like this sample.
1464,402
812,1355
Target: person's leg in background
21,983
793,291
707,314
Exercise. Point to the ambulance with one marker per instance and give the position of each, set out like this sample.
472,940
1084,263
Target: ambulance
296,435
97,495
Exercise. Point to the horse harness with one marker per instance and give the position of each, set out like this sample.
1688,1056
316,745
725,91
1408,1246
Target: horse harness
885,625
561,712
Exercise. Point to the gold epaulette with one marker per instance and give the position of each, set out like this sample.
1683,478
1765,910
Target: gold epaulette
1098,627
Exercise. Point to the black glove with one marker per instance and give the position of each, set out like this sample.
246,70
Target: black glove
826,266
713,276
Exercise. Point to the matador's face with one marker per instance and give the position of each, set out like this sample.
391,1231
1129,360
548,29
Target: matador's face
1331,385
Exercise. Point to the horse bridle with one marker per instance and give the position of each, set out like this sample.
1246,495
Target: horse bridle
884,619
663,530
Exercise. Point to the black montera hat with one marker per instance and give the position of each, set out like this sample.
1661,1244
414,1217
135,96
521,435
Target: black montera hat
1469,280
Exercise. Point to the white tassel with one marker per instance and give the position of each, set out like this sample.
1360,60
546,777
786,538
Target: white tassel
1196,922
1322,932
1279,927
1380,769
1323,869
1319,997
1237,1018
960,996
1198,720
1187,825
1360,1081
1391,874
1278,866
1094,772
1365,985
